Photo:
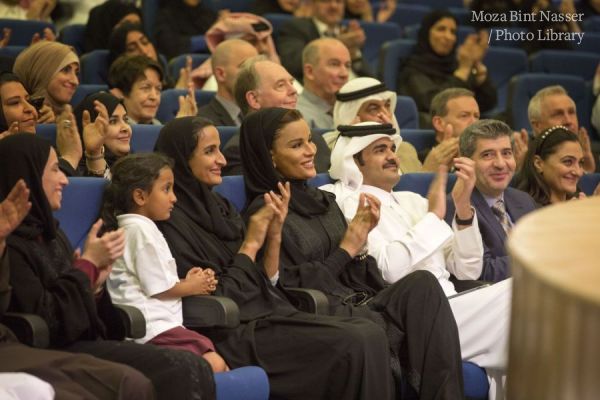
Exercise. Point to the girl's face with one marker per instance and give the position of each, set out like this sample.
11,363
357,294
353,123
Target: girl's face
293,151
562,170
118,136
159,202
53,181
16,107
207,161
442,36
63,84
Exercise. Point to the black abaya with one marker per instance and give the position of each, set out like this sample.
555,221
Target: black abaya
306,356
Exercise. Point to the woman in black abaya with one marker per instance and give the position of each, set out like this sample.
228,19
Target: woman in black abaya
306,356
69,294
319,251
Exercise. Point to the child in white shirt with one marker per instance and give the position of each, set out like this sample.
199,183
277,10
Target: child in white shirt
145,277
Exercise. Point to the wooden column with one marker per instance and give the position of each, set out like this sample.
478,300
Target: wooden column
554,350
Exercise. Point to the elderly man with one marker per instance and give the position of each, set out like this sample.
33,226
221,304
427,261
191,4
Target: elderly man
226,61
490,145
552,106
412,235
326,67
264,83
326,22
367,99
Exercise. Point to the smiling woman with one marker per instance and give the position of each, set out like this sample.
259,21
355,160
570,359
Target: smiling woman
49,70
106,135
17,114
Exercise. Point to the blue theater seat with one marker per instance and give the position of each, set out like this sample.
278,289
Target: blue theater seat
169,102
83,90
176,63
73,35
421,139
143,137
47,131
503,63
406,112
568,62
23,30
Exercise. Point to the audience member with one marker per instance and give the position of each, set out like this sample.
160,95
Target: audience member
326,21
71,375
553,106
367,99
226,61
107,138
326,64
67,292
319,250
104,18
17,114
553,167
253,29
490,145
178,23
138,81
438,63
145,276
412,235
306,356
363,10
554,20
49,70
37,10
452,110
596,92
262,83
130,39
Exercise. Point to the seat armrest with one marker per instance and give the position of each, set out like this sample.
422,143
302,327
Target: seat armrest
309,300
133,321
30,329
210,312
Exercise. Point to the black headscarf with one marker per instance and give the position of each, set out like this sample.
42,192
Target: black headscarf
256,139
102,20
178,140
24,156
110,102
424,58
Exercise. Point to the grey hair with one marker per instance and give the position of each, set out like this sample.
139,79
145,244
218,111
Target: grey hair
439,103
534,109
483,129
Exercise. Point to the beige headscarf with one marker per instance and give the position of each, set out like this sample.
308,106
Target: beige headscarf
37,65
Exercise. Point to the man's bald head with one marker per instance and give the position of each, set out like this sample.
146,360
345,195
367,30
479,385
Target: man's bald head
226,61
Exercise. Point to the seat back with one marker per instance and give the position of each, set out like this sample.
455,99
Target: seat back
232,188
143,137
46,131
590,42
94,67
591,24
320,180
406,113
503,63
409,14
421,139
81,205
176,63
419,183
225,133
73,35
377,33
169,102
23,30
83,90
523,87
568,62
391,57
589,182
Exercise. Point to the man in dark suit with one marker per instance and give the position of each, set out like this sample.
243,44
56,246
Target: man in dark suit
226,61
489,143
326,22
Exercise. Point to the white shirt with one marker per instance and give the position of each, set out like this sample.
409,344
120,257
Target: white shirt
408,237
146,268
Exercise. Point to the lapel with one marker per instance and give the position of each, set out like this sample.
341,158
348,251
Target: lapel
219,110
514,207
485,214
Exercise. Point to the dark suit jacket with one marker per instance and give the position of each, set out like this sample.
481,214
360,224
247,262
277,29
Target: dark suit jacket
496,263
231,151
216,113
292,38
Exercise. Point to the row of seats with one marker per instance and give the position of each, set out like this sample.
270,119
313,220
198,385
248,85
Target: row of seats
250,383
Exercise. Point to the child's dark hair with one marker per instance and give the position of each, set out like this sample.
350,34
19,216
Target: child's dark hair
529,179
135,171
